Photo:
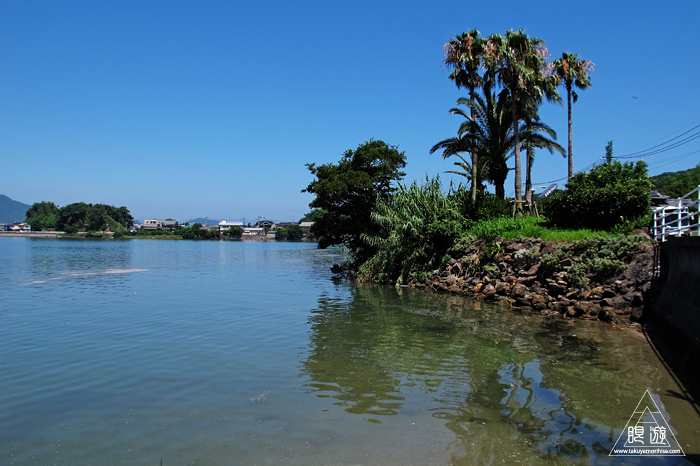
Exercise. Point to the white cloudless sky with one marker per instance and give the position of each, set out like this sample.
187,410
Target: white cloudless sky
193,109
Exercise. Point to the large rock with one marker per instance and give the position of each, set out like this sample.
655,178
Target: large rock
617,302
489,291
556,289
587,308
518,291
539,302
502,288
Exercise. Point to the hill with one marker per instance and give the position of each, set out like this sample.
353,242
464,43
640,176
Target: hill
11,210
205,221
677,184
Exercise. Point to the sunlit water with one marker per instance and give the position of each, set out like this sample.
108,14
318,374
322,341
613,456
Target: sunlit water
219,353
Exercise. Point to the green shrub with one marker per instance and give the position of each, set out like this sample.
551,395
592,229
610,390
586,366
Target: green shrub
290,233
418,226
602,198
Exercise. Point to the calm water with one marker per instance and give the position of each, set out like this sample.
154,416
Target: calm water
219,353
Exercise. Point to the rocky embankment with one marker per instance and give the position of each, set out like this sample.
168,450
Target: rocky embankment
600,278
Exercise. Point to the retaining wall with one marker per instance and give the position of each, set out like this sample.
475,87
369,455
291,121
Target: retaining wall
675,319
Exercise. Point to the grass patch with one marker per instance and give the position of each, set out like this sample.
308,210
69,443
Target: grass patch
530,227
115,226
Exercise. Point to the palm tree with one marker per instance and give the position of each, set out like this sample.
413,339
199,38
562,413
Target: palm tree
464,54
572,72
454,146
488,133
518,63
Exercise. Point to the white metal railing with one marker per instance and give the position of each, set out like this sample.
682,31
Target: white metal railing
678,220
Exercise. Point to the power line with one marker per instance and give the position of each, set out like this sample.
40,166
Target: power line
676,159
665,136
660,149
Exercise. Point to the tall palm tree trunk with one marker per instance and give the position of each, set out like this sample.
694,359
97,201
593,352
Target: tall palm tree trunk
528,173
500,189
473,151
571,146
518,164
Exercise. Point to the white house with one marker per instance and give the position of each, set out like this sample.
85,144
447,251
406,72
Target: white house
224,225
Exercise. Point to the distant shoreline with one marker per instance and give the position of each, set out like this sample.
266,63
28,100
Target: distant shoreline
30,234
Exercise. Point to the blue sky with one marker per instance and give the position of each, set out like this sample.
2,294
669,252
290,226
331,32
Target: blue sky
188,109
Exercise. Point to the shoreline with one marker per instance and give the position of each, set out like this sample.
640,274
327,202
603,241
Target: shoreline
549,277
30,234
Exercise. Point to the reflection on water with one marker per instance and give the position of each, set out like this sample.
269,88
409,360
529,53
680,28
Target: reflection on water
510,386
218,353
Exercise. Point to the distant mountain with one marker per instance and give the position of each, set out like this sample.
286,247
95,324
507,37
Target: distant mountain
677,184
204,221
12,211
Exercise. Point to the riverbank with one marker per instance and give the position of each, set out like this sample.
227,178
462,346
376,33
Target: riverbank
32,234
606,279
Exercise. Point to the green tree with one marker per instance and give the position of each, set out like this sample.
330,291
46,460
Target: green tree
464,54
488,130
572,72
233,232
72,218
517,62
348,192
608,195
43,216
312,216
290,233
609,152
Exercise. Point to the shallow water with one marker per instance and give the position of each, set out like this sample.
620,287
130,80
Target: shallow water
217,353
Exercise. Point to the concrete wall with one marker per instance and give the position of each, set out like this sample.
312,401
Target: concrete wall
675,319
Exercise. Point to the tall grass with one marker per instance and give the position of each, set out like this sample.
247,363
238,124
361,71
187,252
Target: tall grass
419,224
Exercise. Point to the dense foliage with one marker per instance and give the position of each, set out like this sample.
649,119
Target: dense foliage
290,233
418,225
80,216
607,196
43,216
677,184
197,232
348,191
312,216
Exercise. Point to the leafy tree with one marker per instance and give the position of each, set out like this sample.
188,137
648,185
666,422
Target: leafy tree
348,191
291,233
43,216
233,232
464,54
608,195
72,217
195,231
96,217
609,152
572,72
312,216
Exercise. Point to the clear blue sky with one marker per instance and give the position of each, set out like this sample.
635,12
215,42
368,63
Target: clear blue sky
186,109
